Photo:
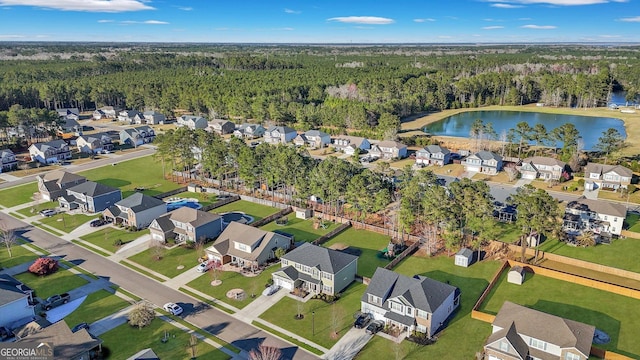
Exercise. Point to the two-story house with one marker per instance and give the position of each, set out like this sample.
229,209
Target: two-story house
69,125
607,176
541,167
137,136
433,155
316,269
192,122
484,162
246,246
150,118
54,184
50,152
520,333
137,210
186,224
249,131
8,160
127,116
410,304
106,112
389,150
314,138
349,144
90,197
94,143
222,127
279,135
16,301
68,345
71,112
600,217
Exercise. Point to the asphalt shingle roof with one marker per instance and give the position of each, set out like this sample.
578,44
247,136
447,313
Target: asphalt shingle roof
140,202
327,260
92,188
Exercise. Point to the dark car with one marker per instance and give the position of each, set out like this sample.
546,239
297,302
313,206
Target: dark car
80,327
374,327
362,321
97,222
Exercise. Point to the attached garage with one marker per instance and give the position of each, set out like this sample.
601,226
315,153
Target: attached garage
283,283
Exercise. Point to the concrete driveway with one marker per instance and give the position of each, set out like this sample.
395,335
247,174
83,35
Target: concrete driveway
349,345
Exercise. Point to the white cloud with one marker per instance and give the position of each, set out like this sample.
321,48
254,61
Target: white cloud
146,22
505,6
185,8
609,36
492,27
287,29
539,27
371,20
112,6
424,20
557,2
289,11
104,21
630,19
11,36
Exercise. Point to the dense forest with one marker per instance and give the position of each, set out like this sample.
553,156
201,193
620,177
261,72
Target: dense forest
363,88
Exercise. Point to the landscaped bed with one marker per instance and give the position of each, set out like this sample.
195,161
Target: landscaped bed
96,306
302,230
57,283
18,195
615,254
257,211
365,244
169,261
66,222
107,236
20,254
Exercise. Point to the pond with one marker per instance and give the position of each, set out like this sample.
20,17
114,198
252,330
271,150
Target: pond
590,128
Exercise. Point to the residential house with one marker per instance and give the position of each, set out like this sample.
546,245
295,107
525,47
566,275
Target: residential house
222,127
349,144
607,176
144,354
186,224
79,345
192,122
520,333
90,197
137,210
597,216
484,162
54,184
16,301
249,131
389,150
300,140
50,152
127,115
137,136
316,269
94,143
279,135
150,118
7,160
433,155
105,112
70,125
411,304
316,139
541,167
247,246
72,113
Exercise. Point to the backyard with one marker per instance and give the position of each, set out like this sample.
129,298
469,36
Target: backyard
20,254
366,244
172,263
106,237
67,222
204,199
57,283
302,230
609,312
257,211
96,306
632,222
18,195
614,254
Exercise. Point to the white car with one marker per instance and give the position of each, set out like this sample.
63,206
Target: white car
203,266
173,309
48,212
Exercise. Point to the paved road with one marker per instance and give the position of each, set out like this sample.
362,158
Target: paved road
222,325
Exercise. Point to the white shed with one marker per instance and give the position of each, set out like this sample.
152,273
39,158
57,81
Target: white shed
516,275
303,213
464,257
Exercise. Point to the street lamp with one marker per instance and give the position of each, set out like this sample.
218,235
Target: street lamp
313,323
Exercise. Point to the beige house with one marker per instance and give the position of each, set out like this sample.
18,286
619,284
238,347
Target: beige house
94,143
389,150
55,183
79,345
186,224
349,144
541,167
607,176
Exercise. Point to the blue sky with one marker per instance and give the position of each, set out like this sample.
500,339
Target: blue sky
326,21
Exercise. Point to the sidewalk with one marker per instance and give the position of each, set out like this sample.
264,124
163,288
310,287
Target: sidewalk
261,304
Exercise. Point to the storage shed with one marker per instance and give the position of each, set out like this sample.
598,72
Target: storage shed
516,275
464,257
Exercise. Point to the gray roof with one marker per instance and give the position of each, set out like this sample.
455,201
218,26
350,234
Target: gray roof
56,144
353,140
555,330
391,144
511,335
290,272
603,169
5,153
420,291
543,160
488,155
324,259
92,188
256,238
281,129
598,206
435,149
145,354
519,269
191,216
11,289
139,202
466,252
60,177
315,133
66,344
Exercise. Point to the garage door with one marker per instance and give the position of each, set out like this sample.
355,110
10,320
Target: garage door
491,357
284,284
158,237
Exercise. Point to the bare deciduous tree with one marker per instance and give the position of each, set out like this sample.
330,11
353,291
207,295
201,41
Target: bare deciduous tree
512,172
337,314
264,352
157,250
193,345
8,237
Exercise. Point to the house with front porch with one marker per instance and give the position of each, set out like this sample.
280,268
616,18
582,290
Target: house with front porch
222,127
54,184
410,304
521,333
186,224
90,197
545,168
389,150
249,131
316,139
598,216
50,152
485,162
8,160
137,210
279,135
192,122
16,301
137,136
94,143
607,176
247,246
316,269
433,155
127,116
349,144
150,118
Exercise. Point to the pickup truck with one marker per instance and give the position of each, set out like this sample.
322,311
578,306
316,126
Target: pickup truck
55,301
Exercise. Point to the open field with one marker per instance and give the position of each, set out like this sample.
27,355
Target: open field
258,211
96,306
106,236
367,245
302,230
170,261
18,195
57,283
615,255
608,312
20,255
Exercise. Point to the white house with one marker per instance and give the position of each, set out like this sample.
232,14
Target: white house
50,152
15,301
249,131
7,160
192,122
279,135
94,143
433,155
349,144
607,176
484,162
600,217
389,150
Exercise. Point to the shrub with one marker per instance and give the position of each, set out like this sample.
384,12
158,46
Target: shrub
44,266
580,182
141,315
117,242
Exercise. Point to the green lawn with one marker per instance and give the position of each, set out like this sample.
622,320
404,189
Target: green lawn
168,265
302,230
608,312
367,245
67,223
18,195
615,255
96,306
462,336
19,254
204,199
124,341
35,209
106,236
509,232
143,172
284,311
632,222
57,283
258,211
233,280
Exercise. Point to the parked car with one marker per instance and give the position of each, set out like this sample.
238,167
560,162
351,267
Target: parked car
106,151
5,333
97,222
172,308
80,326
362,321
374,327
271,290
48,212
55,301
204,266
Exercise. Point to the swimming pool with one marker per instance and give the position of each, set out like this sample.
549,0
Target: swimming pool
237,216
194,204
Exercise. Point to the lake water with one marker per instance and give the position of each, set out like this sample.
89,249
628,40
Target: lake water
590,128
619,98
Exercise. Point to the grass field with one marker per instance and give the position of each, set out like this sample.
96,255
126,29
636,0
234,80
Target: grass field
96,306
171,259
632,222
463,336
233,280
608,312
204,199
258,211
341,312
19,253
615,255
18,195
66,222
124,341
106,236
302,230
35,209
509,232
367,245
57,283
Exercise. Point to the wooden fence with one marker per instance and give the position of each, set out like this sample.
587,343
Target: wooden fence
324,238
477,314
221,202
408,251
273,217
171,193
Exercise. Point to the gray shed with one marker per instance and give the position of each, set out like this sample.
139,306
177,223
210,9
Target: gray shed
516,275
464,257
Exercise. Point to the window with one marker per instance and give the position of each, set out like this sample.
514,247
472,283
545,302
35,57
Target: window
538,344
326,275
422,314
504,346
375,300
571,356
327,289
396,307
409,311
285,262
243,247
421,328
